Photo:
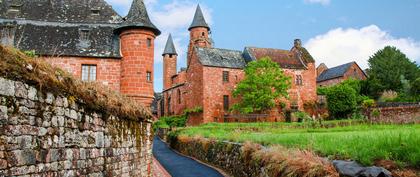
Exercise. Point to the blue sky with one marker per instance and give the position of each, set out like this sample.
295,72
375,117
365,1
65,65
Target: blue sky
334,31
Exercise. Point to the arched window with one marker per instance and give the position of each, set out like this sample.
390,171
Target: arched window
179,96
203,34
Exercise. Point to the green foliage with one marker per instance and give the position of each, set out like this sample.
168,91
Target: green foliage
263,86
368,103
375,113
171,122
388,96
387,68
415,87
342,100
348,139
193,110
30,53
176,121
303,116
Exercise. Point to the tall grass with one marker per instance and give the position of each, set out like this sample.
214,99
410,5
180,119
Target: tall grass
358,141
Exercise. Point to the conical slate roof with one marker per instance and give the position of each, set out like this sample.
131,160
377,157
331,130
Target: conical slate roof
199,20
138,18
170,47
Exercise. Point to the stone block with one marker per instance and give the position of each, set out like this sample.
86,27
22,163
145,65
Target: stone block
3,114
50,98
99,139
33,94
25,142
53,155
22,157
3,164
7,87
21,90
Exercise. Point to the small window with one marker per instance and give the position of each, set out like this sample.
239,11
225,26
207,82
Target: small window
299,80
149,42
203,34
179,96
84,35
88,73
8,35
226,102
95,11
149,76
170,55
225,76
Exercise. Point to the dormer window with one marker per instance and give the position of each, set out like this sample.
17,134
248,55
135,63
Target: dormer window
8,35
84,35
95,11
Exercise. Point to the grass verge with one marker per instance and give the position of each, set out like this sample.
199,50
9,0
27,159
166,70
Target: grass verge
358,141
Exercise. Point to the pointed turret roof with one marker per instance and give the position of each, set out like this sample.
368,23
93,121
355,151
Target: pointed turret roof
138,18
170,47
199,20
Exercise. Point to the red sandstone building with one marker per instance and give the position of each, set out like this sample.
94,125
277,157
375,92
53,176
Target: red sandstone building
212,74
332,76
88,39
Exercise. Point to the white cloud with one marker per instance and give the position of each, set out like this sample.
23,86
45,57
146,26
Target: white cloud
323,2
339,46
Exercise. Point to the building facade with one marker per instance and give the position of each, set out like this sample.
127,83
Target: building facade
332,76
212,74
88,39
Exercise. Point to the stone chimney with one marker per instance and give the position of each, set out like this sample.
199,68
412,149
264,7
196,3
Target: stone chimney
298,43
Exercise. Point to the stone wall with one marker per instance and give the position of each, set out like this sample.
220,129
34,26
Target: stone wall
397,113
252,160
42,134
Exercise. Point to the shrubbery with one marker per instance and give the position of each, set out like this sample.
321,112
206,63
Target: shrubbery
176,121
345,99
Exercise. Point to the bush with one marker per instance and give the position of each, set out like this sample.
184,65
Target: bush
302,116
388,96
171,122
368,103
342,100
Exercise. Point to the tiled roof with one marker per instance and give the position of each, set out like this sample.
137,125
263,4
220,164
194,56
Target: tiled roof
170,47
335,72
221,58
66,27
285,58
199,20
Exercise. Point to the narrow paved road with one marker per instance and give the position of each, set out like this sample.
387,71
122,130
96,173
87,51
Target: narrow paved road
180,166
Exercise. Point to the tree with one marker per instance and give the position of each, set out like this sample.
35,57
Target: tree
342,100
387,67
262,88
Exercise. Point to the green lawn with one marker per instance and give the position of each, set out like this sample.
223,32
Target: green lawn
342,140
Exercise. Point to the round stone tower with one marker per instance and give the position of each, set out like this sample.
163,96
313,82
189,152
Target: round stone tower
199,32
137,34
169,63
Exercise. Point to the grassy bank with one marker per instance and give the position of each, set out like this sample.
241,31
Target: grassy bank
337,140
